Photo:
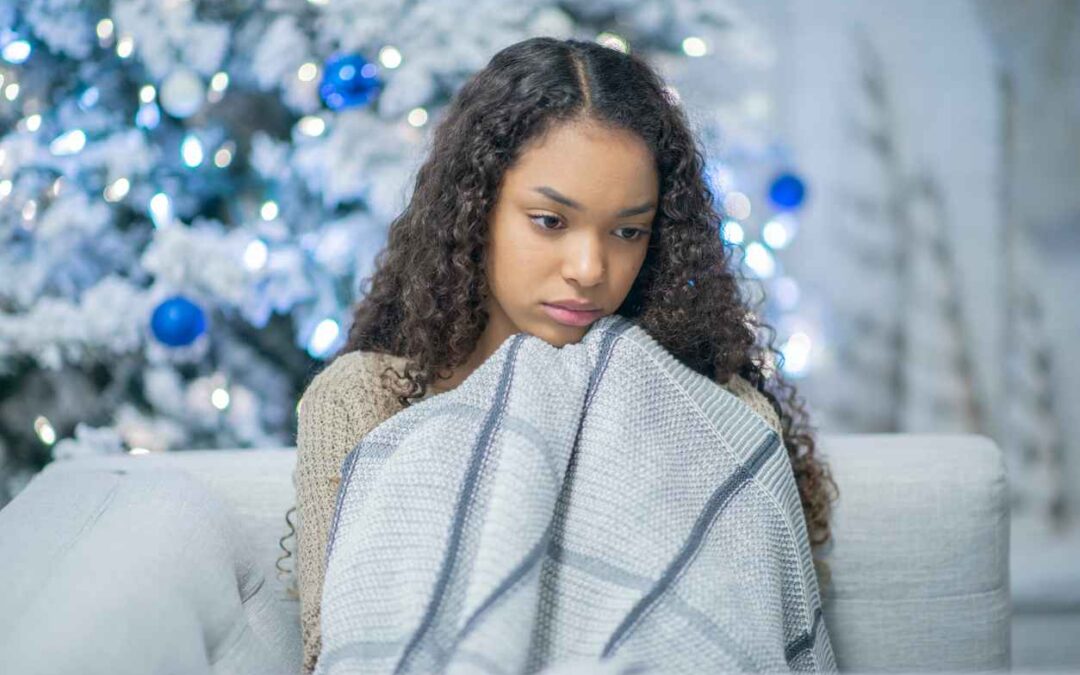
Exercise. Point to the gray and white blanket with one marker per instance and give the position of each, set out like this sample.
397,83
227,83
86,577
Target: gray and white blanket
599,507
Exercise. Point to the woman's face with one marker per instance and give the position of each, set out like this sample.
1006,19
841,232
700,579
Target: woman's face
572,221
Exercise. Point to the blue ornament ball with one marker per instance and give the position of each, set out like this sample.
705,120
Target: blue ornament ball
787,191
177,321
348,80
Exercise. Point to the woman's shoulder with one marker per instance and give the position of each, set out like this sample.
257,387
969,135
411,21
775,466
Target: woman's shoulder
351,379
750,395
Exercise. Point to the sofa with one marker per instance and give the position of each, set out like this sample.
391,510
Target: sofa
167,562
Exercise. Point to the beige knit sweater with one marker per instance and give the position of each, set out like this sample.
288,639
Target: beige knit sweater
341,404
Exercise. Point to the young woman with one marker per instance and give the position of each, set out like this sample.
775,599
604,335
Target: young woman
563,185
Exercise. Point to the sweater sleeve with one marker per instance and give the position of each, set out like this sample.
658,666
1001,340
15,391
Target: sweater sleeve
746,391
337,409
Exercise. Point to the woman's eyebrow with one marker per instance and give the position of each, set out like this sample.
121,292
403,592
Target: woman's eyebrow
554,194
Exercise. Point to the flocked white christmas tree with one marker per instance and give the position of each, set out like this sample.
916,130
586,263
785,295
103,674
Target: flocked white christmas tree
191,194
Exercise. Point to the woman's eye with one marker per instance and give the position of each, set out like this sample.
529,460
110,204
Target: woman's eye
635,233
533,218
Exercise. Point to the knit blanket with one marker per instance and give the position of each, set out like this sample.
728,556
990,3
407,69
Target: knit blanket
599,507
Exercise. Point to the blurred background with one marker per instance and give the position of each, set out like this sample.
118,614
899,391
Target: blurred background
192,193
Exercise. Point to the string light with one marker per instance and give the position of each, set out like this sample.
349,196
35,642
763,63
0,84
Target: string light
125,46
307,72
32,123
269,210
105,29
68,143
775,234
311,125
694,46
16,51
224,155
220,398
733,231
44,430
760,260
417,117
390,57
256,255
117,190
796,353
323,337
192,151
160,210
218,84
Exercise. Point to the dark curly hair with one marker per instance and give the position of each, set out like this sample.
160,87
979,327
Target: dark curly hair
427,295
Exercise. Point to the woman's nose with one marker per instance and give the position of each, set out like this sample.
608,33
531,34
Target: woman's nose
584,260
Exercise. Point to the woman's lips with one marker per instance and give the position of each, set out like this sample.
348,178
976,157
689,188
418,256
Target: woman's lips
571,317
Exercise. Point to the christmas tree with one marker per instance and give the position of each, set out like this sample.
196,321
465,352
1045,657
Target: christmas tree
192,194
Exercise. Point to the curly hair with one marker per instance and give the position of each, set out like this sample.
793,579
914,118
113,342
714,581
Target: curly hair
427,295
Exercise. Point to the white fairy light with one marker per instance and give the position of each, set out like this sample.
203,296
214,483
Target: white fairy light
147,93
323,337
269,210
117,190
125,46
161,210
311,125
192,151
307,72
223,156
44,430
796,353
694,46
105,29
256,255
390,57
11,92
16,51
417,117
68,143
220,398
760,260
218,84
733,231
220,81
775,234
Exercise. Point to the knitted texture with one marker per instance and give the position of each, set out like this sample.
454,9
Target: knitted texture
597,500
340,405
